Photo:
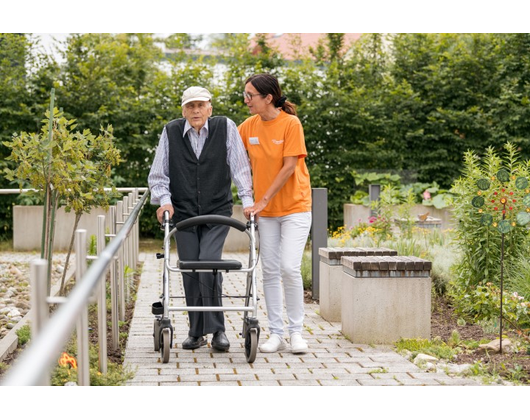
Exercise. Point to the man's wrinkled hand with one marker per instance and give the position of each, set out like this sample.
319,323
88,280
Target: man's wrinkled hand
160,212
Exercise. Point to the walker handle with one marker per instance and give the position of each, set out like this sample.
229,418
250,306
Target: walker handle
211,219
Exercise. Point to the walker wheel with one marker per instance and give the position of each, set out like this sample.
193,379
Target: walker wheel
165,344
251,345
156,334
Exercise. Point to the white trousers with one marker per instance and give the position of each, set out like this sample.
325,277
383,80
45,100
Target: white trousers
281,243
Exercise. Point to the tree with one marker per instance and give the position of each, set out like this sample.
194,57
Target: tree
109,80
65,168
24,76
463,98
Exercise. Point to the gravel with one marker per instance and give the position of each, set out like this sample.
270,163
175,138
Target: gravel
15,289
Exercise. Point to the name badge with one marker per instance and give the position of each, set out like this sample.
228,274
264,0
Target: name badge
253,140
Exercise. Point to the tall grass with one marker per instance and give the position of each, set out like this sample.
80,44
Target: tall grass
434,245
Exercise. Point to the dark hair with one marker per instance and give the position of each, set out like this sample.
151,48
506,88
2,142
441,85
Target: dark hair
266,84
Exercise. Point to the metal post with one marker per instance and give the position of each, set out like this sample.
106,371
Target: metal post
102,301
83,363
113,285
374,191
126,260
121,264
137,228
131,236
39,307
34,364
319,234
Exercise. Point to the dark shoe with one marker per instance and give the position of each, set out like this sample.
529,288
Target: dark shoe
220,342
191,343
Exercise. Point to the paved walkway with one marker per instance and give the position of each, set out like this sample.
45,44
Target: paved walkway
331,359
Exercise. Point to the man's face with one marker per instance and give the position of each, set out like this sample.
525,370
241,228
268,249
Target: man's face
197,113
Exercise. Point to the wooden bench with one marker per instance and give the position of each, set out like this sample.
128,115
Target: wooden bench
330,270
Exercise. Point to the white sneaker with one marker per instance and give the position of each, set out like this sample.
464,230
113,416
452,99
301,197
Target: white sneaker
273,344
298,344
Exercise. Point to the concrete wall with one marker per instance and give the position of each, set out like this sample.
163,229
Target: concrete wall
27,228
353,213
237,241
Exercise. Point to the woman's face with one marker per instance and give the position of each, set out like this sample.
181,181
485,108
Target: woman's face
256,102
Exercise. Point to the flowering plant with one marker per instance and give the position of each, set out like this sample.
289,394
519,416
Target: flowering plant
499,196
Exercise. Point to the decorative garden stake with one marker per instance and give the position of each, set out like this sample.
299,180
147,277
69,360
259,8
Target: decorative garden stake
503,202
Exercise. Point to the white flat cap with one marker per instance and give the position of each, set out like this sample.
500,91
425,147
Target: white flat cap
196,93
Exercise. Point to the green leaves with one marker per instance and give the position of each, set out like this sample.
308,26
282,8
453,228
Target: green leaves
76,163
485,215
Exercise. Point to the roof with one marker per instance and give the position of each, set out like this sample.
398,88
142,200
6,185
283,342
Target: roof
285,43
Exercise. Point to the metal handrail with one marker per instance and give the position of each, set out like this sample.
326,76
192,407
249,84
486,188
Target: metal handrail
34,364
5,191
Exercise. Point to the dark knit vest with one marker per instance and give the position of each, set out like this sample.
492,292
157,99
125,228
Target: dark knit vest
199,186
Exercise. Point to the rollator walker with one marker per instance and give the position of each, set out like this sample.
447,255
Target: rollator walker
163,330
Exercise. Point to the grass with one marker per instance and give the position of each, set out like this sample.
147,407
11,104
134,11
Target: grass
307,270
436,348
6,245
24,335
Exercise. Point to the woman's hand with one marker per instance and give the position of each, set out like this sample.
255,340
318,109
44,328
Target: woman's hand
255,209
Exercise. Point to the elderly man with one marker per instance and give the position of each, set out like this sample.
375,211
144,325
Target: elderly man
197,159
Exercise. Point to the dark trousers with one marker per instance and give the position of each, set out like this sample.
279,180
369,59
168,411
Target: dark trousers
203,288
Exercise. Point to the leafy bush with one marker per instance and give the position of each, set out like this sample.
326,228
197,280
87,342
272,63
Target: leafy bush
417,192
519,278
483,216
483,303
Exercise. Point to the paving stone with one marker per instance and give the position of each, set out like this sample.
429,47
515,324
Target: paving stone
331,360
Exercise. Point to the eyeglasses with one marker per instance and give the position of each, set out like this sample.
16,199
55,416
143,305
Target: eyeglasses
249,96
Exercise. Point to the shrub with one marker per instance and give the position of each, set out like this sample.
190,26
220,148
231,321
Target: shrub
306,269
482,304
485,222
24,335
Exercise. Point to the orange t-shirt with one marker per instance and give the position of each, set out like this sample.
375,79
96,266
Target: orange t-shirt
267,143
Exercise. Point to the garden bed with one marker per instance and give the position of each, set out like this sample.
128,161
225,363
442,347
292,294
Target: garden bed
508,365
